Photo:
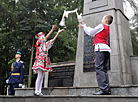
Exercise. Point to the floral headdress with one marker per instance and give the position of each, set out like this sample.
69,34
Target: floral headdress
39,34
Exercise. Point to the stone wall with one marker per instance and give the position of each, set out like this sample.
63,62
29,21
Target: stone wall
134,66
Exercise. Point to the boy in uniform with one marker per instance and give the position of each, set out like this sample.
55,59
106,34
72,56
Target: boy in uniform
17,73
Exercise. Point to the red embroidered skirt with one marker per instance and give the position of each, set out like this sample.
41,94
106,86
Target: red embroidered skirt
42,62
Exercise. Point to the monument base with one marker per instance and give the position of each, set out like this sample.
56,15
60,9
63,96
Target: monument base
70,98
115,90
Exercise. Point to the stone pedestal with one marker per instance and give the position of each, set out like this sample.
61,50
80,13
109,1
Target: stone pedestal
70,98
134,66
120,42
115,90
46,80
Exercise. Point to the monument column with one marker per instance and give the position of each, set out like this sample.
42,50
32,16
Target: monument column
120,42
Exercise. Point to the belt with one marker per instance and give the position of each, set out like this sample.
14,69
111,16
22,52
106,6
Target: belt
43,52
98,43
15,73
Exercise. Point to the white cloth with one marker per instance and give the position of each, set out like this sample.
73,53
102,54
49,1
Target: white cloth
39,81
65,14
102,47
7,81
92,32
80,20
20,85
17,60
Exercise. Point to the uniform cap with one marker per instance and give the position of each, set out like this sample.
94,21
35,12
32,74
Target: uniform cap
19,51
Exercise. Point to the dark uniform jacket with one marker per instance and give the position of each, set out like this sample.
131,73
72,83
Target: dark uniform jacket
17,72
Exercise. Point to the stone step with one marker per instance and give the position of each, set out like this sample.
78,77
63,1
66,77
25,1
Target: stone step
70,98
115,90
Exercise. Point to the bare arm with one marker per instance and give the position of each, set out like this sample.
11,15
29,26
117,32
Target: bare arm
47,36
57,35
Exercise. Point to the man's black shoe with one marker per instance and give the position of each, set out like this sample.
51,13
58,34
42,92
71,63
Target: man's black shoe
102,93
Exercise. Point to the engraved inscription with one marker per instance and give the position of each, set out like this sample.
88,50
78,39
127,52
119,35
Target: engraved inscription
89,54
62,76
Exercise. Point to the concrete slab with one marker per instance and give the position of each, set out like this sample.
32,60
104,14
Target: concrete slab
62,91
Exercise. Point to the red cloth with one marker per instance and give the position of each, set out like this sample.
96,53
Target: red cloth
102,36
37,51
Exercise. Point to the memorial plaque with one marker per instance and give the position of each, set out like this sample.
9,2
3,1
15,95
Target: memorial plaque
89,54
62,76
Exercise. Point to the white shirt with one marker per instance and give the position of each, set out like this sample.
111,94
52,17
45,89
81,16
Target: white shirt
17,60
92,32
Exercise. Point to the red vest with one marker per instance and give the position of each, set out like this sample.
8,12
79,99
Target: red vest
102,36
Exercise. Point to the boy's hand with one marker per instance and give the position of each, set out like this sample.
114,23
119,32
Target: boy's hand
81,26
60,30
54,26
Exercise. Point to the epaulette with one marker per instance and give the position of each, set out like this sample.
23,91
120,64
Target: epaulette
21,61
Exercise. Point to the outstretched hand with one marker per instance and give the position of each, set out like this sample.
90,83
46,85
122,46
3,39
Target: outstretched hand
53,27
81,26
60,30
57,34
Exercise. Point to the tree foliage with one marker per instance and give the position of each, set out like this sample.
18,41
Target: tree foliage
7,38
134,26
134,33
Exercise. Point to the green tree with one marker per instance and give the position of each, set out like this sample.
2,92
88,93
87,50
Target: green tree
134,26
7,38
134,33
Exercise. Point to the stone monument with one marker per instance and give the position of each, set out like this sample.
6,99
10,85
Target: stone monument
120,72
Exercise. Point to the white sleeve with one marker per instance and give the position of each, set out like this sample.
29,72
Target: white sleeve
49,44
93,32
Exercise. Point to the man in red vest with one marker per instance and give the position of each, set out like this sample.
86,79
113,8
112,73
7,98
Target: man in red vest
100,34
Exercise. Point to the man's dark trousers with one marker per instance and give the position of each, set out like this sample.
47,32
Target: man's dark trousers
12,86
102,58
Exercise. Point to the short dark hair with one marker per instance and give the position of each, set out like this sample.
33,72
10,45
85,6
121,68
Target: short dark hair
109,19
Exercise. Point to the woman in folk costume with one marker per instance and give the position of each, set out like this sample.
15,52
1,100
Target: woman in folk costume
42,62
